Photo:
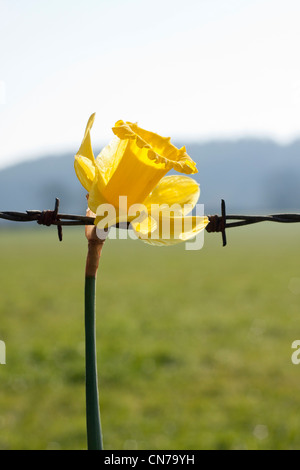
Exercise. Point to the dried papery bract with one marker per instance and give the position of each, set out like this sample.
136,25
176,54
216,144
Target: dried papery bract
95,246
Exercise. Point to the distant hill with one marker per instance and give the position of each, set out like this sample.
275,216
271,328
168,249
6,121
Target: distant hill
253,176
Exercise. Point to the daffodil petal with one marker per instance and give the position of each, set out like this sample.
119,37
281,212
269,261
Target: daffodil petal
181,229
85,149
85,171
181,192
144,225
96,197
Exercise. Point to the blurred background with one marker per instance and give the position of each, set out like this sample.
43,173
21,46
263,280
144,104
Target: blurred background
194,347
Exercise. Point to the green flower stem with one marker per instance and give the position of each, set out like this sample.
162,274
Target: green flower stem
94,433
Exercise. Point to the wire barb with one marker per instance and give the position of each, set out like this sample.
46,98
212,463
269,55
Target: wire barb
218,223
50,218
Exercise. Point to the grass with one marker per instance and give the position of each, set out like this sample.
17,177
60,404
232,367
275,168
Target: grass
194,347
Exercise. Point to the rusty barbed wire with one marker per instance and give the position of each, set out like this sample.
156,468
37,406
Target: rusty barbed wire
217,223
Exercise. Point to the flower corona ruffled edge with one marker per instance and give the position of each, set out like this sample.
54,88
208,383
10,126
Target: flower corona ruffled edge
160,149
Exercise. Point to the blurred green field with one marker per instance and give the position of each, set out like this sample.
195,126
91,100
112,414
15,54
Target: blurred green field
194,347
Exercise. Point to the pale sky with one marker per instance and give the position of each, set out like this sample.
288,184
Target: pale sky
188,69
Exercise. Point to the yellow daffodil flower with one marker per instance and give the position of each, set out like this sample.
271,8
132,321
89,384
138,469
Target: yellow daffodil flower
129,176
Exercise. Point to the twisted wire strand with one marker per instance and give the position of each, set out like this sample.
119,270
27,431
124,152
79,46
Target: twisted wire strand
217,223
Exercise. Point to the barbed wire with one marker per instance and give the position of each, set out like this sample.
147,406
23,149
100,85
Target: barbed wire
217,223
